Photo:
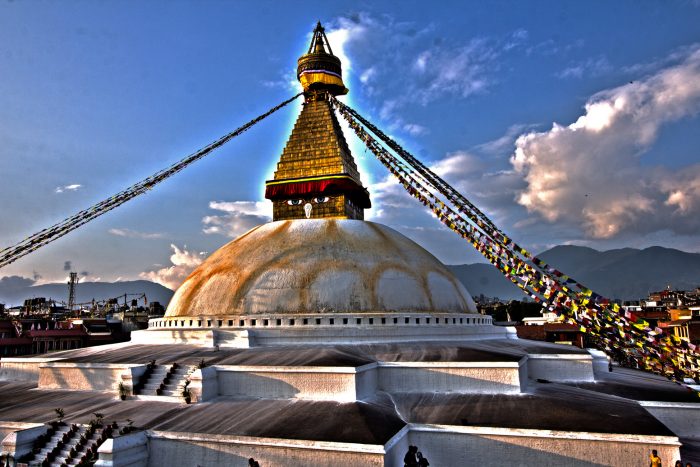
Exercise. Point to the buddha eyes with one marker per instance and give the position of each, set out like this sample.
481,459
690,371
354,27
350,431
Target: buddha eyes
316,200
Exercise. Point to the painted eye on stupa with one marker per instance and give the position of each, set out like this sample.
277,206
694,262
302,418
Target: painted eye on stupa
321,199
295,202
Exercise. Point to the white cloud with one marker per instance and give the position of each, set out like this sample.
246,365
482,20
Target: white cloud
414,129
590,174
373,48
134,234
505,143
183,263
238,217
589,67
71,187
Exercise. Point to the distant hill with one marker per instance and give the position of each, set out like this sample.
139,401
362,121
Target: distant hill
13,291
627,273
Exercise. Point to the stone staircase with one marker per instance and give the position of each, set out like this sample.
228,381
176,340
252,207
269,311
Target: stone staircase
69,445
165,383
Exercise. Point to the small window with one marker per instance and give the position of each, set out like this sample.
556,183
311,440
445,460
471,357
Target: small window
241,323
396,320
190,322
383,320
266,322
427,320
460,321
306,321
199,323
371,321
220,322
291,322
359,320
279,322
407,320
253,322
318,321
454,320
208,323
182,323
417,320
345,321
331,321
230,322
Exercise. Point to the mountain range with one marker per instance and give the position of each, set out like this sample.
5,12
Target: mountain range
14,289
626,274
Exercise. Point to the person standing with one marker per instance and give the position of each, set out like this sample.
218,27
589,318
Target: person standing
422,461
655,459
409,460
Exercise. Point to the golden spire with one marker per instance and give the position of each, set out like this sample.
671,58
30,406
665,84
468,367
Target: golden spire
319,70
316,175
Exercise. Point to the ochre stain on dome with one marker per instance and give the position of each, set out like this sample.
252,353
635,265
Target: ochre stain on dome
320,265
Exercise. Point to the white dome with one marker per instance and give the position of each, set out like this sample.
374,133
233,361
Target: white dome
320,265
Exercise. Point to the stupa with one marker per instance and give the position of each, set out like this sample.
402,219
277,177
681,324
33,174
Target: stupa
323,339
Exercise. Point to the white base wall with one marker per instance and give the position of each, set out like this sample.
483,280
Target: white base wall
169,449
560,367
457,377
83,376
681,418
463,446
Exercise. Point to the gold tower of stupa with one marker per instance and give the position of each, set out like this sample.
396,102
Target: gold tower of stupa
316,176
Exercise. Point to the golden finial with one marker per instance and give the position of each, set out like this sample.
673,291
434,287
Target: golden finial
318,69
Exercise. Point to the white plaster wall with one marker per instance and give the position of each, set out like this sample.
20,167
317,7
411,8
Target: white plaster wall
682,419
215,451
21,369
200,337
560,367
204,384
81,376
396,448
124,451
322,383
366,381
600,361
374,334
18,437
499,378
538,447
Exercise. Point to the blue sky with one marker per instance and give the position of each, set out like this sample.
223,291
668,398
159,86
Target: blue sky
567,122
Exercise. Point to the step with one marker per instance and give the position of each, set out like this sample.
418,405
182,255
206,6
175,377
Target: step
155,398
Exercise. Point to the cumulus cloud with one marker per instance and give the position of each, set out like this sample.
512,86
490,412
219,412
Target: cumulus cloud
71,187
183,262
135,234
591,174
238,217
